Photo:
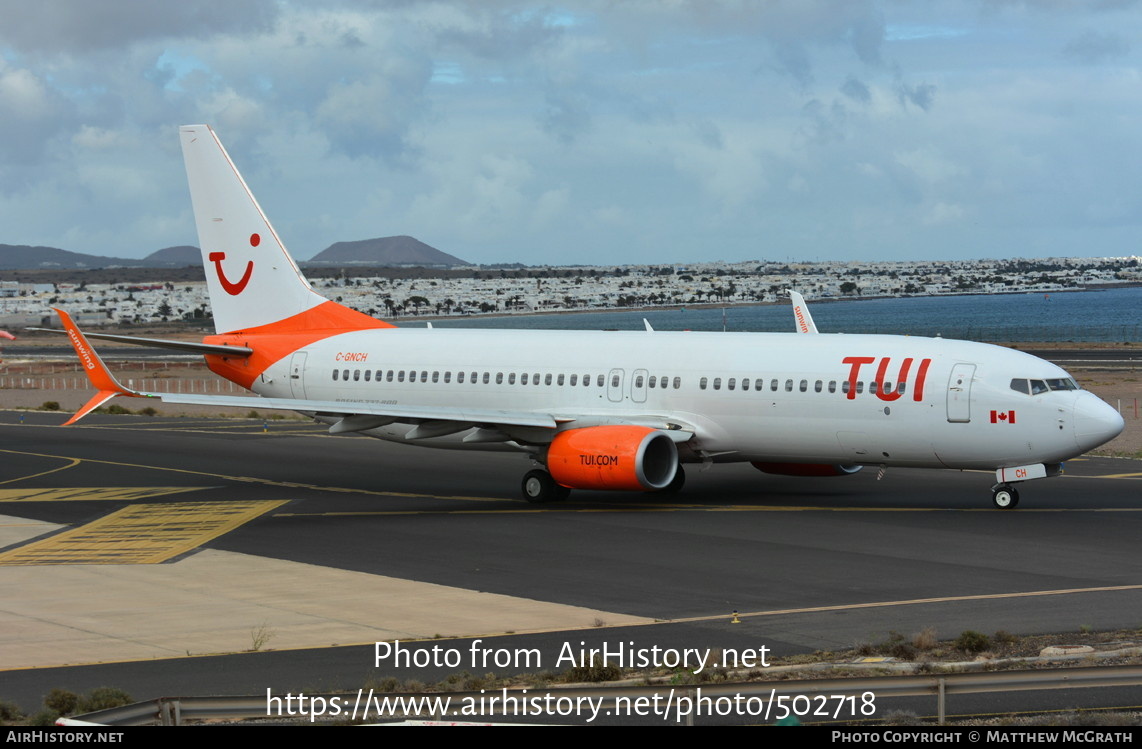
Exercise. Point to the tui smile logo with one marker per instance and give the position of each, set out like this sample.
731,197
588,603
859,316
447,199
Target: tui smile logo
234,289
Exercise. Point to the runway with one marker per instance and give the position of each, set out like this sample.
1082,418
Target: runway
224,526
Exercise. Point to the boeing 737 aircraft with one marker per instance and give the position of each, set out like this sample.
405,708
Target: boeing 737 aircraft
609,410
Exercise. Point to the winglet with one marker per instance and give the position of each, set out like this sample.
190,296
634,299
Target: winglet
801,314
96,371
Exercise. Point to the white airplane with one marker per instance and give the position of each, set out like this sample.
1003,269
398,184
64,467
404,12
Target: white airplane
610,410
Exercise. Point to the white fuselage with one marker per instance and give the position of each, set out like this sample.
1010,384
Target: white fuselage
808,399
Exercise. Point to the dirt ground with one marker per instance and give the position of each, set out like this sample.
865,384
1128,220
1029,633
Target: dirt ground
1121,388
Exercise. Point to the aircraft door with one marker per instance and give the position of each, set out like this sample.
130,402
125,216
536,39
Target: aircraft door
638,386
615,385
959,393
297,374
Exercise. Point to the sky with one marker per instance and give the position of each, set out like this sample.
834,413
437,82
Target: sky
586,132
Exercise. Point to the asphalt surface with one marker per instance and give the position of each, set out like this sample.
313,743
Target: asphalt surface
811,564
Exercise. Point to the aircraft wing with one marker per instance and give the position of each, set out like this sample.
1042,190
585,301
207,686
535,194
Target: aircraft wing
431,421
191,346
109,387
350,408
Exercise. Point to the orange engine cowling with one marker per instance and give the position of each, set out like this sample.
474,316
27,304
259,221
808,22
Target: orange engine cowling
805,469
630,458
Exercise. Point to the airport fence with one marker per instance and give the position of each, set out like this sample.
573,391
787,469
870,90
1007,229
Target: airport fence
1003,333
800,698
153,376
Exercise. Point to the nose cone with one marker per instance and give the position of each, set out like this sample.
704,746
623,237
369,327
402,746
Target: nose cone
1096,423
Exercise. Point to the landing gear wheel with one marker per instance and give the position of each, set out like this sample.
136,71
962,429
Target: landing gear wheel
538,486
676,483
1005,497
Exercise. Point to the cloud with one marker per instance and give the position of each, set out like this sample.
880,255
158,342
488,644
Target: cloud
33,115
922,95
51,27
1092,47
856,90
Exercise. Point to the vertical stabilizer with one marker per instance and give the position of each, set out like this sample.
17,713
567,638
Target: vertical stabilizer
251,278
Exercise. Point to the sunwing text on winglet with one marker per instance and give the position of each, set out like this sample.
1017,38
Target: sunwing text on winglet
801,314
612,410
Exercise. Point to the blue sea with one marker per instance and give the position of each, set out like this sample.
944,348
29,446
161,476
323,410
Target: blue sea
1111,315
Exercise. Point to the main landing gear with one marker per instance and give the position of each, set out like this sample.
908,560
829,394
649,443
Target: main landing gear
1005,496
538,486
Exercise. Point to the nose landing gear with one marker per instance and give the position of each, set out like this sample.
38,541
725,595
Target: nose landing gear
1004,496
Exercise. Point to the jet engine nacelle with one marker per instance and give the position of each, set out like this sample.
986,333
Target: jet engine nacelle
630,458
806,469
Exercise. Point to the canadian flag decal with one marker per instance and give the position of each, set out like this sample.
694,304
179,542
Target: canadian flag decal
1003,417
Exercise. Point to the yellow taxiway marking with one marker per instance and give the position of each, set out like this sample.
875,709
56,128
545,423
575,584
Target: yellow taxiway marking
680,508
1116,476
92,493
141,534
269,482
71,463
916,602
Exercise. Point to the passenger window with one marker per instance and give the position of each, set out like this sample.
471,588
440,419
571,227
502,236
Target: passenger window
702,383
460,378
389,376
717,383
745,383
832,386
499,378
901,387
730,383
559,379
547,379
335,375
846,386
637,381
448,377
523,379
789,386
677,382
436,377
368,373
759,384
818,386
601,381
872,386
487,376
651,382
400,376
574,380
345,375
860,386
773,385
614,381
804,386
424,375
511,378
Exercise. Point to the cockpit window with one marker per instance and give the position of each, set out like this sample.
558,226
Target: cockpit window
1037,387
